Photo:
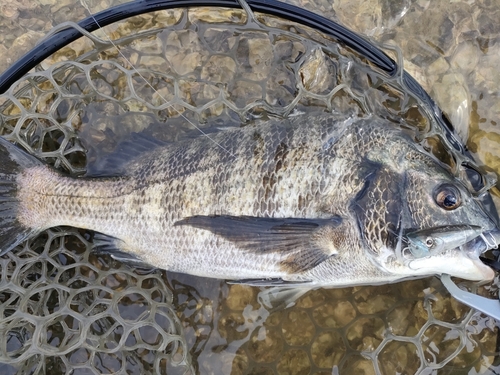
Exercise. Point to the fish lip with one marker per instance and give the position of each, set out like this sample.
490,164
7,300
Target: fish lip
485,273
464,267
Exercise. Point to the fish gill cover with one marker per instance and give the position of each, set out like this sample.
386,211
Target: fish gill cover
68,310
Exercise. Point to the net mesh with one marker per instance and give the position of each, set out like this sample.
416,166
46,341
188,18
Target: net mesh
177,74
66,310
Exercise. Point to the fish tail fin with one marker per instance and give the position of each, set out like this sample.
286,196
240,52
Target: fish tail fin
13,161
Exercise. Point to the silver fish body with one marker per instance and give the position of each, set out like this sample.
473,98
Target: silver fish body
315,200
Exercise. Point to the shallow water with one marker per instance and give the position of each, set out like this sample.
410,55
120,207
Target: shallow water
407,327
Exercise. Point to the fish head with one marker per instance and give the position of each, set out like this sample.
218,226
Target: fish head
418,219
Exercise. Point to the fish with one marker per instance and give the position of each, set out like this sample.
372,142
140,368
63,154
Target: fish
309,200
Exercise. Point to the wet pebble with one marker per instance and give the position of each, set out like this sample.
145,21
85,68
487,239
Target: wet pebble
362,16
294,362
328,349
334,314
254,54
281,89
318,73
466,57
297,328
407,318
399,357
454,99
439,343
487,23
265,345
357,364
243,93
366,333
217,15
184,51
487,73
219,40
220,69
239,297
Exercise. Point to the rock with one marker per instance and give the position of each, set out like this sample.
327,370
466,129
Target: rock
184,51
219,40
318,73
466,57
220,69
452,95
254,54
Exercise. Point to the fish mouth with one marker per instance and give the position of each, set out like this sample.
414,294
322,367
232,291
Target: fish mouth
464,266
473,249
462,261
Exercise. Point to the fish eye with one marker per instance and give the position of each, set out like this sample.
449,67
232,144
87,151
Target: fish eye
429,242
447,196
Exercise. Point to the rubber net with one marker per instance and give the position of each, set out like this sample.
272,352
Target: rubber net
182,73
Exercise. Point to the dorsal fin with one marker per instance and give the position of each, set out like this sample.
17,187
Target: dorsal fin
115,163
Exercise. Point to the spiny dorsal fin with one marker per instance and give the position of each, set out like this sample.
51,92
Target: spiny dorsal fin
300,241
115,163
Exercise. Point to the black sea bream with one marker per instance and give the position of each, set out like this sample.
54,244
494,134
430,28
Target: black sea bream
314,200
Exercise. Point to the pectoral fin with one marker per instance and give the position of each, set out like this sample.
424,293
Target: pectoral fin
303,243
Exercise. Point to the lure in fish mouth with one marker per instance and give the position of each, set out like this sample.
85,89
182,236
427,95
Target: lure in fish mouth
469,239
466,240
317,200
426,242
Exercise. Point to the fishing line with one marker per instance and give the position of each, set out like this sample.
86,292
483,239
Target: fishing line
91,14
